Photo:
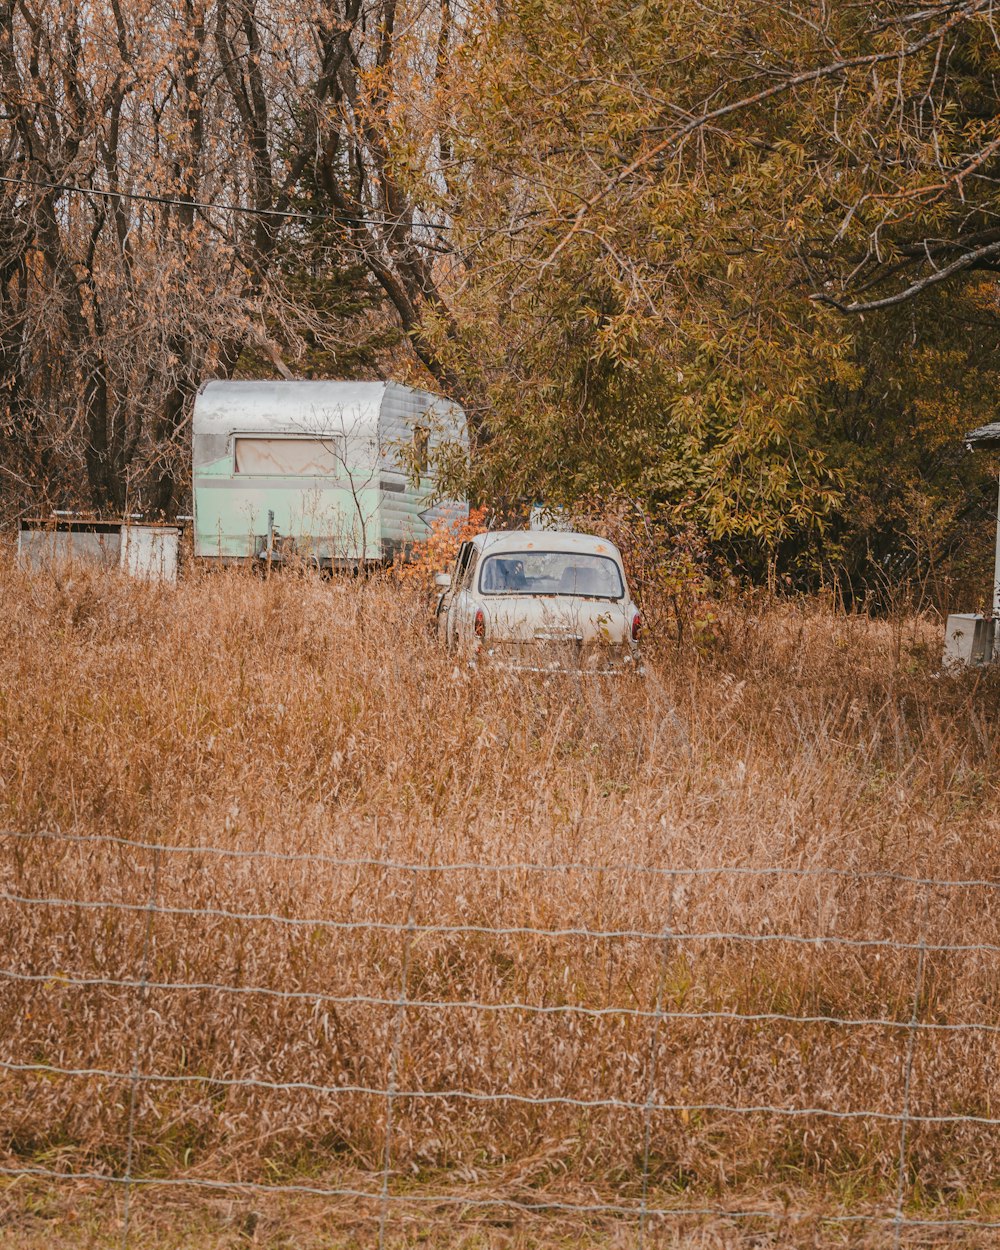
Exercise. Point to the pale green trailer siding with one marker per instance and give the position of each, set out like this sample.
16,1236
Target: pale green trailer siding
315,465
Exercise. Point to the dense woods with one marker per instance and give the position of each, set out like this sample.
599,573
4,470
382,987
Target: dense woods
734,261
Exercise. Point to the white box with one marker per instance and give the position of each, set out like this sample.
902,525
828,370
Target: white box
968,640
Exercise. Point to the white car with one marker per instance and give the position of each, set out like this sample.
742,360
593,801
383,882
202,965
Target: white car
541,602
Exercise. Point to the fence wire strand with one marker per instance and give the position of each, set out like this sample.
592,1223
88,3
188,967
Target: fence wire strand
460,1094
58,977
816,940
510,867
477,1201
382,1195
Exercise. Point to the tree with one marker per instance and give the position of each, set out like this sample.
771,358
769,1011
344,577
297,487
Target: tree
649,202
624,238
176,173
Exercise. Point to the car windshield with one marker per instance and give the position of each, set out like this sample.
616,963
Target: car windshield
551,573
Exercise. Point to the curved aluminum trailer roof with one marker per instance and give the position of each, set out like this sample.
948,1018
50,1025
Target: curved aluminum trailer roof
221,407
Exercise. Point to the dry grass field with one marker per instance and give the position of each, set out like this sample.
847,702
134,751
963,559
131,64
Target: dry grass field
313,723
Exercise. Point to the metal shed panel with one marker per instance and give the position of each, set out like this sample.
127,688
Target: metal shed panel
44,544
149,552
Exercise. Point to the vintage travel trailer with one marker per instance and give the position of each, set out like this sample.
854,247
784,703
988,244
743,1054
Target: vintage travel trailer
337,473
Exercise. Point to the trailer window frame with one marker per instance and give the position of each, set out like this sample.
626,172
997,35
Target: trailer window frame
334,444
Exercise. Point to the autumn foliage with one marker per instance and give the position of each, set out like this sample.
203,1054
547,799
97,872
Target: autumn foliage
636,274
436,553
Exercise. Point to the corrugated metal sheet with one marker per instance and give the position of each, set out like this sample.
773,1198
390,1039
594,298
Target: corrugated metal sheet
985,436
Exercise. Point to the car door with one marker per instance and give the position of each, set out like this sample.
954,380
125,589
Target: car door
465,604
444,600
448,608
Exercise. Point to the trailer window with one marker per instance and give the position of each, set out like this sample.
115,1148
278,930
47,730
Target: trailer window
288,457
421,449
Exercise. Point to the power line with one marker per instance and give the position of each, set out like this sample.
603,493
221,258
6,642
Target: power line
168,201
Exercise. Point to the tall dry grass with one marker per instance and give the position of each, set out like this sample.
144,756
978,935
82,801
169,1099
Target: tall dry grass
292,715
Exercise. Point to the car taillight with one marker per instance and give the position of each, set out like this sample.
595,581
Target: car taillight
636,627
480,625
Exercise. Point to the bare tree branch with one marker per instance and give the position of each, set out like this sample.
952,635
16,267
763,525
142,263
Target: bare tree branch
967,261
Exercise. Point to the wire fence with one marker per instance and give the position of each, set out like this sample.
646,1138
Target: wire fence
589,1003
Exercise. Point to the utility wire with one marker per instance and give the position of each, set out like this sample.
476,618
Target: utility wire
177,202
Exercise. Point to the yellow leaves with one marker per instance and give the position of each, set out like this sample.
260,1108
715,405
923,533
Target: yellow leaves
792,149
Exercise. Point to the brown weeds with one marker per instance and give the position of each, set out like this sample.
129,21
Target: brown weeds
319,719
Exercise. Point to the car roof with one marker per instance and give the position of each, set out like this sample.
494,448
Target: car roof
498,541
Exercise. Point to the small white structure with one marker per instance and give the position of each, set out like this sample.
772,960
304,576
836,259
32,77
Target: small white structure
338,473
145,550
972,640
969,640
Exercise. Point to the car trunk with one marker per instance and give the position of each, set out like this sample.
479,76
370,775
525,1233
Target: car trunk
558,619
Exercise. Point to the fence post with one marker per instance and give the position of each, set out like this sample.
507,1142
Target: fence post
647,1111
904,1121
397,1042
143,995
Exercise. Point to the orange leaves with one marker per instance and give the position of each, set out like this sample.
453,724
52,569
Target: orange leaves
437,551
